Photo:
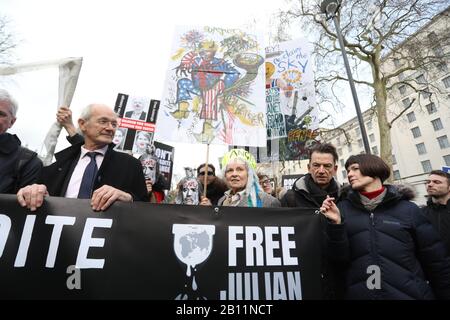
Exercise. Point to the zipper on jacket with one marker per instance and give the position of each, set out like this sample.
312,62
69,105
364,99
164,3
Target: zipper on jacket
439,221
373,293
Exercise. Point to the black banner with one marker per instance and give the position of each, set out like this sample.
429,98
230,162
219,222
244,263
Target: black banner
150,251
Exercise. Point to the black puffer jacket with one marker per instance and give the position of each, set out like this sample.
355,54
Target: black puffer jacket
334,240
401,242
439,215
19,166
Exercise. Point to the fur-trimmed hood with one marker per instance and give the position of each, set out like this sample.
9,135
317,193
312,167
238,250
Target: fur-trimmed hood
400,191
407,192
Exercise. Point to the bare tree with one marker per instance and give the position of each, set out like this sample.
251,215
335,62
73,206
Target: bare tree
385,38
7,41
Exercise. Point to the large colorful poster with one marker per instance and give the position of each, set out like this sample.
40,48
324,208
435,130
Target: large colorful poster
214,90
289,73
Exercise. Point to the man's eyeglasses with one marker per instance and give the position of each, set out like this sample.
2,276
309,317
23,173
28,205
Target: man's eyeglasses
202,173
105,123
267,181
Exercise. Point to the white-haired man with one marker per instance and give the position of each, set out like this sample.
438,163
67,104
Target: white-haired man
90,169
18,165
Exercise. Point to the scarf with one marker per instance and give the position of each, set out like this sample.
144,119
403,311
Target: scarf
319,194
371,204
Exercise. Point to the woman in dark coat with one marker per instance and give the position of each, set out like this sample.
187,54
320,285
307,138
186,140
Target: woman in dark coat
394,251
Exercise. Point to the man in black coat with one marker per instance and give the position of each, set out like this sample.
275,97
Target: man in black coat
438,204
119,176
310,191
18,165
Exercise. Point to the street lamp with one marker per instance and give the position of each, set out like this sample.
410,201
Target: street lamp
331,8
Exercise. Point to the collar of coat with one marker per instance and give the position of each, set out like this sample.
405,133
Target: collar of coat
394,194
436,205
75,149
9,143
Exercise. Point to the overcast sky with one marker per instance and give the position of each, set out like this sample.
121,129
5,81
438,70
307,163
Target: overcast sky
125,47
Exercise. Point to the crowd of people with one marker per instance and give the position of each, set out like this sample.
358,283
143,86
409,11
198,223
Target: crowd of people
367,223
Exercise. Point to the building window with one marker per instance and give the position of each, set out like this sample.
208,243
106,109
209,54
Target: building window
437,124
421,148
360,143
443,142
438,51
358,131
349,147
369,125
397,62
401,76
402,89
396,175
344,173
442,66
375,150
447,160
431,108
411,117
416,132
339,150
425,93
426,166
338,141
406,102
446,82
342,163
372,137
394,160
421,79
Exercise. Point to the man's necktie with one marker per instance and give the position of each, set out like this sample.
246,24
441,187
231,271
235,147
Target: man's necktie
88,177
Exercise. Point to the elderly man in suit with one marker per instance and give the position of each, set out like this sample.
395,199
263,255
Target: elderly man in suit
90,169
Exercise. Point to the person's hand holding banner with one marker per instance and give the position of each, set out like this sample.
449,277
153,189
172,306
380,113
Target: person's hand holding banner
32,196
106,195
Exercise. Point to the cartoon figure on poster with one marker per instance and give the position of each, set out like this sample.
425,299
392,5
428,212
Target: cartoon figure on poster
276,83
213,90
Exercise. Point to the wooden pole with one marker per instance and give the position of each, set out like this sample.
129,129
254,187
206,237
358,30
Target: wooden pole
205,178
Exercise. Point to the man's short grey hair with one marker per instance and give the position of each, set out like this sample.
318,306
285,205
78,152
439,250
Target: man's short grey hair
12,103
87,112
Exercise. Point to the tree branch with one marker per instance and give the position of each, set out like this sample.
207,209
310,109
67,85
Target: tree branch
402,112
